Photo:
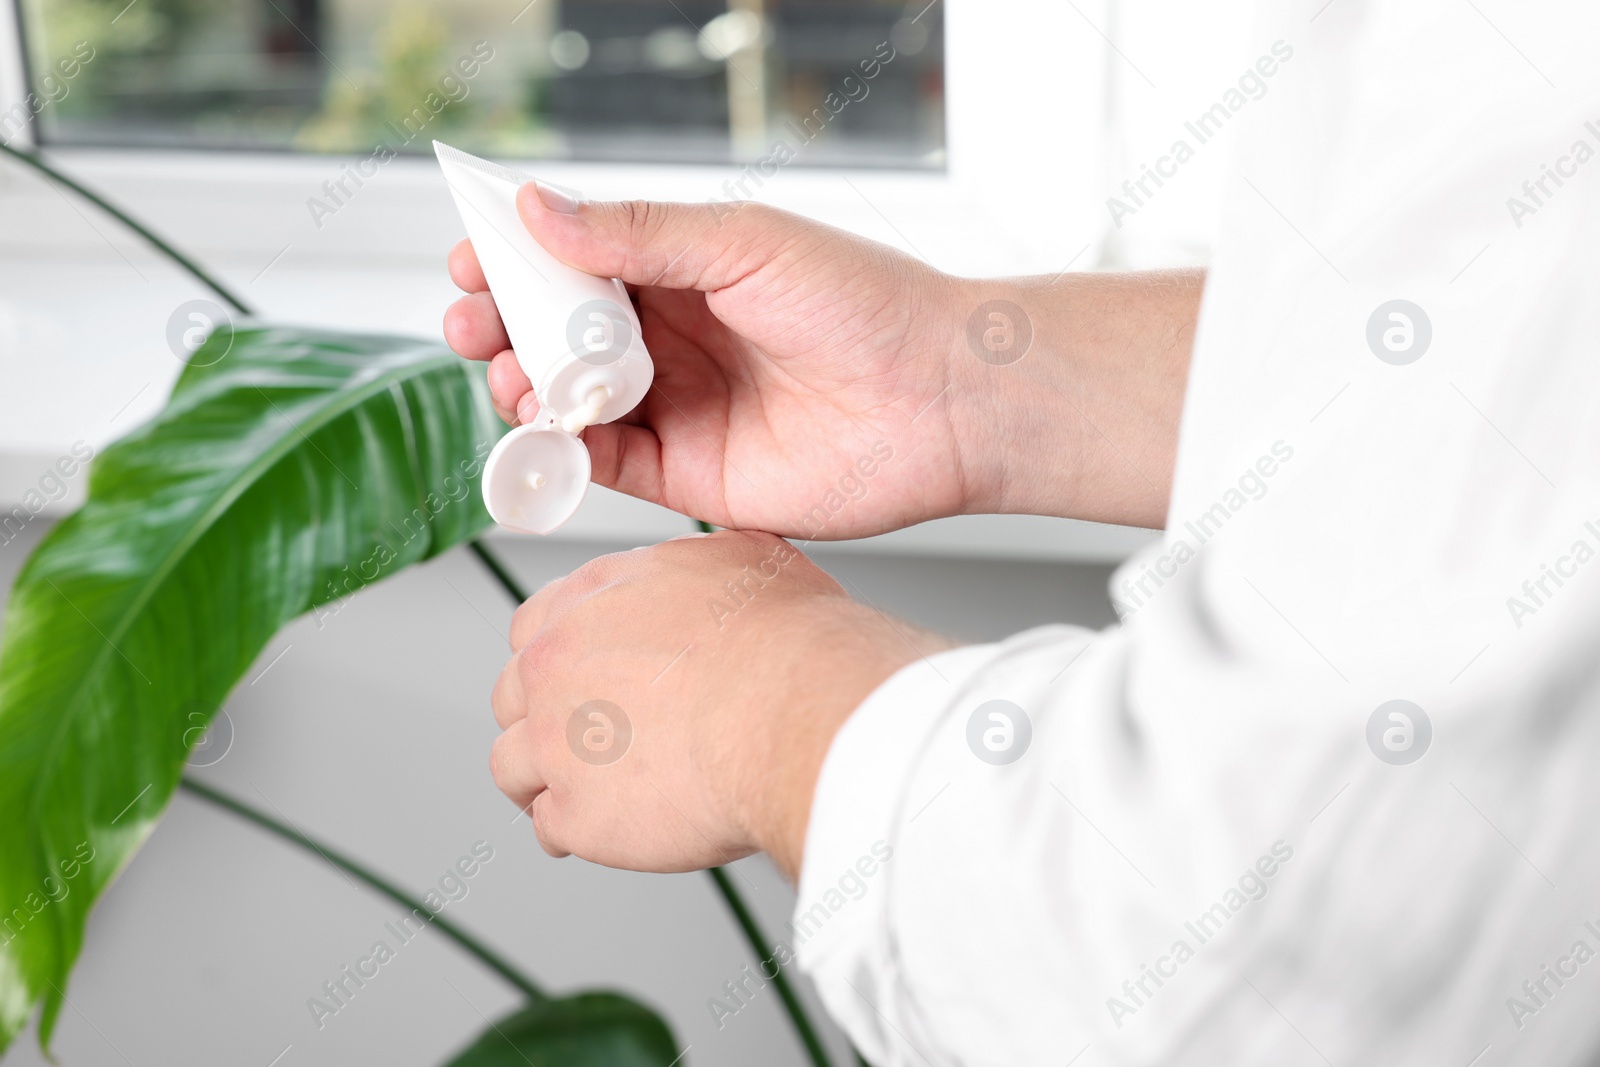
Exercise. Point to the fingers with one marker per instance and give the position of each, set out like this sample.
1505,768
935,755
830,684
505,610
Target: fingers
473,328
678,246
542,812
527,408
510,386
626,458
465,270
514,763
510,698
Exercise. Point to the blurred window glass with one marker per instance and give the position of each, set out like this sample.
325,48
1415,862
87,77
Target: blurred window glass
855,83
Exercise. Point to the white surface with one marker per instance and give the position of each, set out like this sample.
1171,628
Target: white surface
1224,843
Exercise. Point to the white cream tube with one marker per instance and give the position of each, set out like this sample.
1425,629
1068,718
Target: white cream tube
576,337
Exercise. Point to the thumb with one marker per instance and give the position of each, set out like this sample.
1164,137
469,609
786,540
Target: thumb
676,246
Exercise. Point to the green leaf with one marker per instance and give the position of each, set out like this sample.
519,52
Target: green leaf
586,1030
289,468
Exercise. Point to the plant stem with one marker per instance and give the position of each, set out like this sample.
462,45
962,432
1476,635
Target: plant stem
753,934
200,275
487,956
507,582
730,893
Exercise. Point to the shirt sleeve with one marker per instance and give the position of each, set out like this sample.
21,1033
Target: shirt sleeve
948,752
1326,795
1027,852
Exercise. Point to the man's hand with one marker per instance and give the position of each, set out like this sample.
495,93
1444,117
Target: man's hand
786,354
669,708
820,385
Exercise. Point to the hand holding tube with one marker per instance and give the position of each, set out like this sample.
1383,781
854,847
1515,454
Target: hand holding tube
819,385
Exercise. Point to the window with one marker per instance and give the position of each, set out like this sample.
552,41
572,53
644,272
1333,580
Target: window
978,146
681,81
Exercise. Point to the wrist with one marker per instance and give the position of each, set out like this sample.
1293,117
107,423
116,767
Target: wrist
1067,392
825,658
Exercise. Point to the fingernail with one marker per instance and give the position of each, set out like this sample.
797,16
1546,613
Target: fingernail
686,537
528,409
561,201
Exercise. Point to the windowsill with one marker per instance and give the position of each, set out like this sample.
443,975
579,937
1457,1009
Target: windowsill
197,198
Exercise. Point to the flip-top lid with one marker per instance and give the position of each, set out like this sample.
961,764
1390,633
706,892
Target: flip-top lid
536,477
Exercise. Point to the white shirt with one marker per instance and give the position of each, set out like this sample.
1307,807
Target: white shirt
1201,857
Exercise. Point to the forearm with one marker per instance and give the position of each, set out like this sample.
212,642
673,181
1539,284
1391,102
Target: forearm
1084,424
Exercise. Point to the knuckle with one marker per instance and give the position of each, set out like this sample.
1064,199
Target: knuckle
642,219
506,700
543,816
524,620
500,757
549,646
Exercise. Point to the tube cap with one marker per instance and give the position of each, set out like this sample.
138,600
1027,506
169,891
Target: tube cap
536,477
